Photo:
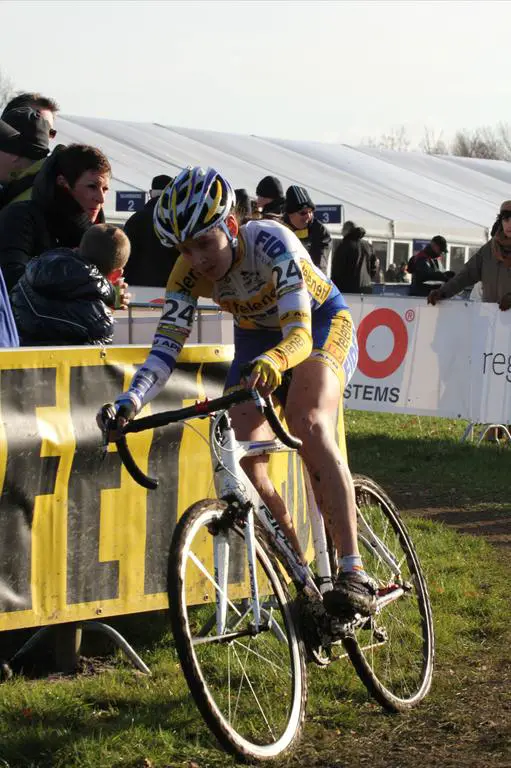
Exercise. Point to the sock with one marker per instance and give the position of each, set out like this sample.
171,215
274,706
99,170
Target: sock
351,563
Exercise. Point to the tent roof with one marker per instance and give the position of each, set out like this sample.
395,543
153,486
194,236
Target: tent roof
391,194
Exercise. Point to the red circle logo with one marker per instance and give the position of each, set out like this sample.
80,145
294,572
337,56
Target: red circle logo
379,369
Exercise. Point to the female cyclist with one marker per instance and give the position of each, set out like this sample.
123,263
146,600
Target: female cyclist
287,315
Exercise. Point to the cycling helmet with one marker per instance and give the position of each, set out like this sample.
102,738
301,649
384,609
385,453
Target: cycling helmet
198,200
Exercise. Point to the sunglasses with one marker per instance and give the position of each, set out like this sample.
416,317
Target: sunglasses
53,133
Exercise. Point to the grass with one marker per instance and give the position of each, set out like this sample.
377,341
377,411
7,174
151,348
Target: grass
117,717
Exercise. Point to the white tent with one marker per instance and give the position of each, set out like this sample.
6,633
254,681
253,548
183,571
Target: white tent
394,195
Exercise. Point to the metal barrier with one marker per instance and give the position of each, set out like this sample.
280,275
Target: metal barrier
198,316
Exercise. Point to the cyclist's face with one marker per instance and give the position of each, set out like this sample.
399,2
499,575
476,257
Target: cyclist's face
210,254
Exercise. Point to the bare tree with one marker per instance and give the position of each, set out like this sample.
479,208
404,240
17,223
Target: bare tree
397,140
484,142
6,89
432,144
504,133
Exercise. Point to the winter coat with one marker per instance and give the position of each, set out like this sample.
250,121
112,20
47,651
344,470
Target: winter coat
150,262
316,240
483,266
60,300
425,265
354,263
51,219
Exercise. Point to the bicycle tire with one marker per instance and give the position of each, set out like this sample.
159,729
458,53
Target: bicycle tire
193,525
374,669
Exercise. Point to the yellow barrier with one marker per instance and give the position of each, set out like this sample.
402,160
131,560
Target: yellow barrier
79,539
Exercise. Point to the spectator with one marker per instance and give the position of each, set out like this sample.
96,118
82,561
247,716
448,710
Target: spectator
354,264
391,275
299,217
270,198
43,104
68,197
64,295
246,207
150,262
24,141
425,267
402,273
491,265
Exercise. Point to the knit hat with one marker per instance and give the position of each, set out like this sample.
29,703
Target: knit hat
298,198
270,187
31,135
159,183
441,242
506,206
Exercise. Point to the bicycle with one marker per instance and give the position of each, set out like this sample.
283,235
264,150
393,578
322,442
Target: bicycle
244,649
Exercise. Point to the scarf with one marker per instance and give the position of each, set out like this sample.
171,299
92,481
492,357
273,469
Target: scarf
67,221
501,248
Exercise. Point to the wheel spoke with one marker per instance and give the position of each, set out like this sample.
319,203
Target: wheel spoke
396,669
251,687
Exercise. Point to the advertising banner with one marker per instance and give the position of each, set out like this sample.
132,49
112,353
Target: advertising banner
413,358
490,382
79,539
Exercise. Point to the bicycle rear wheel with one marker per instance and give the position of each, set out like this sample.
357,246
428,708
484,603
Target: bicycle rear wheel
393,651
250,686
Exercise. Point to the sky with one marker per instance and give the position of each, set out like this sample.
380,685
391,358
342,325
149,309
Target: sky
321,70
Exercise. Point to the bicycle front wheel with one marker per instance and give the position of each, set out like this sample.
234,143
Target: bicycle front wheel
248,678
393,651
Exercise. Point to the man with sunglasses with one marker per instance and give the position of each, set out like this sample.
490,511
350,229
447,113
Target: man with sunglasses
491,266
22,157
43,104
299,217
24,146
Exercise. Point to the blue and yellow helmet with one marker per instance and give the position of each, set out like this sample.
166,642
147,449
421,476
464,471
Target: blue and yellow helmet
198,200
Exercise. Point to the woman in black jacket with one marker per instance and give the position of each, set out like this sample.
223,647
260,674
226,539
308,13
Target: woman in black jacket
353,263
67,198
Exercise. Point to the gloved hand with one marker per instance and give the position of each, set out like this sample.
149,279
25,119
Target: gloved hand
112,418
505,302
265,376
434,296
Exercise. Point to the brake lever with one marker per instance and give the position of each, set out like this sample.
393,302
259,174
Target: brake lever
259,401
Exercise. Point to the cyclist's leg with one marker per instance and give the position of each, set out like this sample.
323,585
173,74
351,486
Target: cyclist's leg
314,397
249,424
311,409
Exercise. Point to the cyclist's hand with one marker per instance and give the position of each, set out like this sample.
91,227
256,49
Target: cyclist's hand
112,418
265,376
434,296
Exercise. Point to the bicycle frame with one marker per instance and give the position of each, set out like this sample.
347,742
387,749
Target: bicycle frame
231,483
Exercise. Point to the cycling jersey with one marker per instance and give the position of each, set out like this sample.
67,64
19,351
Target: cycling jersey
272,285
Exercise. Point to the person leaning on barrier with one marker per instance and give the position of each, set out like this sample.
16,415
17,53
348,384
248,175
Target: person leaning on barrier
426,266
491,265
65,295
24,146
313,235
68,197
150,261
